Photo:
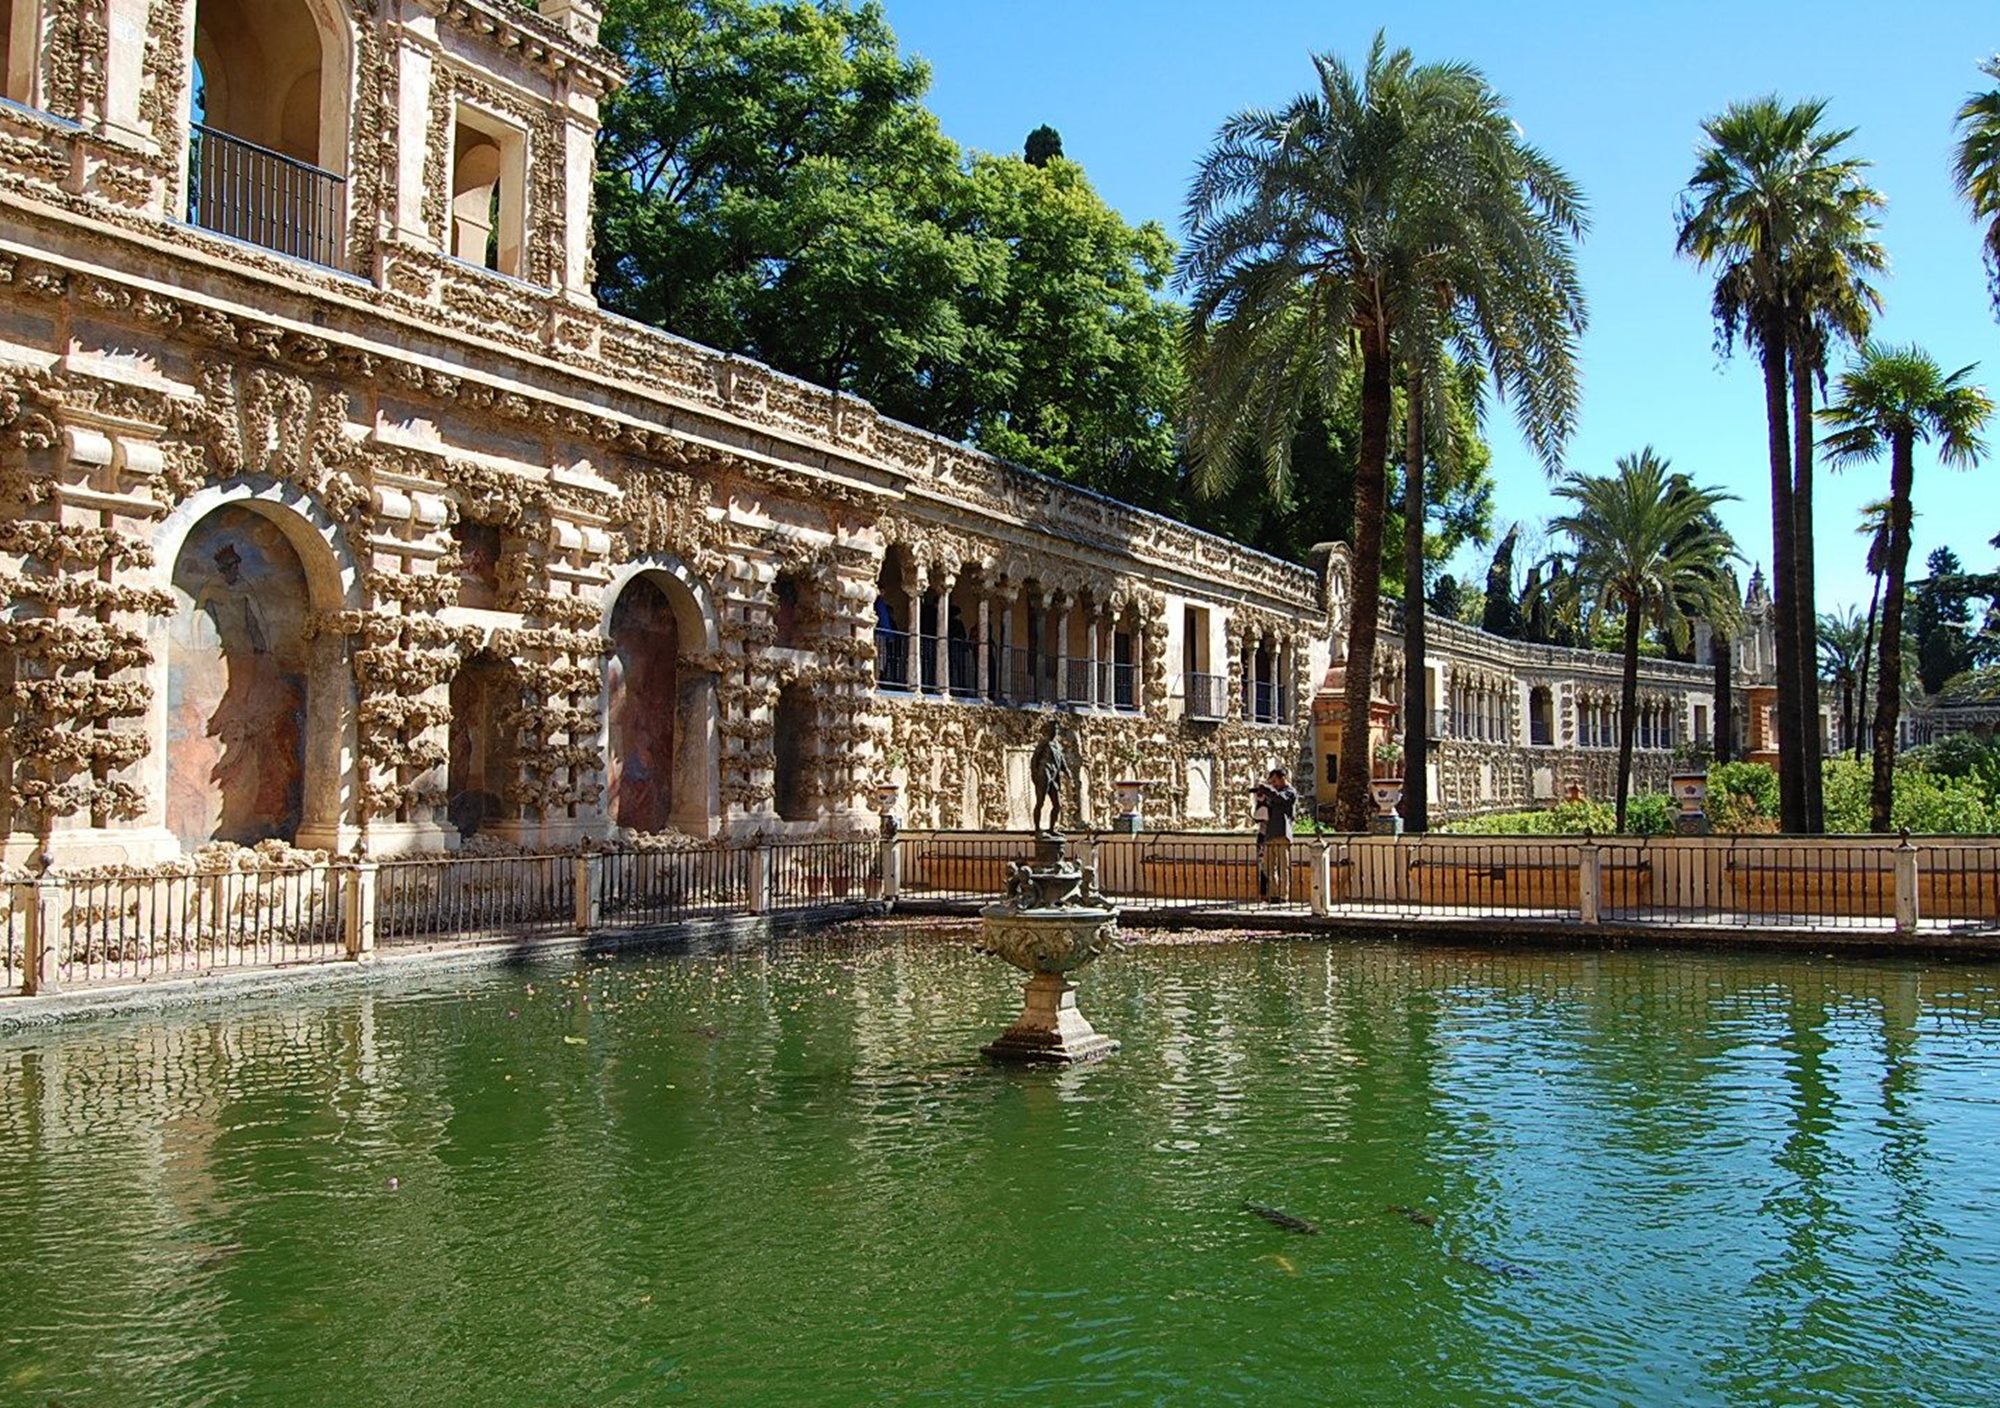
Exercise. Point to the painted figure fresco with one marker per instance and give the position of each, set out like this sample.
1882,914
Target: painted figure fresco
644,694
236,683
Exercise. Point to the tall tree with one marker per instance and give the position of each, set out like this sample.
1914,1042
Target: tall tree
1043,146
1892,399
1650,549
1374,219
1832,303
1843,644
1939,617
771,183
1780,214
1874,527
1975,166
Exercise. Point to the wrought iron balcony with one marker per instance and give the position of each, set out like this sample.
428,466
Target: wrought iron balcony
1207,696
262,197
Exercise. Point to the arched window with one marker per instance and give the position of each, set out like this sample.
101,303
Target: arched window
1541,717
270,115
488,181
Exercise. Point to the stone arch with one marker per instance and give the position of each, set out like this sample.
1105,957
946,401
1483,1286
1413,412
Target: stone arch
278,73
660,722
253,708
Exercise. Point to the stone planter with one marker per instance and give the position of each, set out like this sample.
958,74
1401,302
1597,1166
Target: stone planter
1690,793
1131,805
1387,794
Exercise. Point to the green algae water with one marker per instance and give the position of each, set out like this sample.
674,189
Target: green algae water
786,1178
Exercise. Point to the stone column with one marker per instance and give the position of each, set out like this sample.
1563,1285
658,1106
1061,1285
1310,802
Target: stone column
1055,604
1092,621
982,653
942,645
913,641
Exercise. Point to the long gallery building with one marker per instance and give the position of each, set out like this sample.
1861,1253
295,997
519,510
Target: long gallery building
336,512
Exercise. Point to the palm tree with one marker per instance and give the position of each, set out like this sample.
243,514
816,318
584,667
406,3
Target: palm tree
1843,645
1373,221
1832,302
1648,546
1975,166
1875,528
1892,398
1787,225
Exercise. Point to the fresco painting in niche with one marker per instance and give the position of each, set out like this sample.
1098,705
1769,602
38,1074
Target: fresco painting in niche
644,694
236,683
482,752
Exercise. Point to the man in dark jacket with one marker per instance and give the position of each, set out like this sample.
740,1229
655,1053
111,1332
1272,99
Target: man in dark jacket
1276,802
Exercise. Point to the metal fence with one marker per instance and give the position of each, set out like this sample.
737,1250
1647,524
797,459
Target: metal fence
805,874
452,897
129,928
644,889
240,189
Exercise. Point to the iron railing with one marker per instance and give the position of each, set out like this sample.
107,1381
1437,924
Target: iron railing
1207,696
130,928
266,198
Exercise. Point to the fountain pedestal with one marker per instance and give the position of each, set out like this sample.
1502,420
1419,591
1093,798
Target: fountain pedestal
1051,922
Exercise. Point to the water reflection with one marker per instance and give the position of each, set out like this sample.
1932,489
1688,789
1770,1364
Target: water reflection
785,1177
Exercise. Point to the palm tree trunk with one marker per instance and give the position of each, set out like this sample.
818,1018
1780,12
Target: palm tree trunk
1351,787
1867,653
1725,696
1805,613
1889,680
1416,711
1847,704
1628,708
1778,422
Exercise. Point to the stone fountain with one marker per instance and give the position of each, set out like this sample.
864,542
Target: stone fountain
1051,921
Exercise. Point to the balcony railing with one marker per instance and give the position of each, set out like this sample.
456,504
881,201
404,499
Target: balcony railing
892,659
1207,696
262,197
1264,703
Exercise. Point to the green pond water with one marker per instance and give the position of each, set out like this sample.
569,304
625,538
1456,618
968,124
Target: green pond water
787,1178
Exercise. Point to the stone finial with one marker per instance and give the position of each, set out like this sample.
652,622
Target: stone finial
581,18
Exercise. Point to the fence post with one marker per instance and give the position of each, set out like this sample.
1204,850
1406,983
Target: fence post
585,892
41,961
360,907
1589,880
1906,888
890,875
760,878
1322,879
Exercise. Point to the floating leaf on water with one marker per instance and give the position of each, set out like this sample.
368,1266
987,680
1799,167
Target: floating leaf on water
573,1041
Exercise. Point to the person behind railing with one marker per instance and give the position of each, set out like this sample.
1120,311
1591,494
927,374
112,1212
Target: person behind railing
1276,802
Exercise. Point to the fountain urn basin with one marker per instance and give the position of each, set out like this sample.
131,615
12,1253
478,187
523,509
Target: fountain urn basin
1051,922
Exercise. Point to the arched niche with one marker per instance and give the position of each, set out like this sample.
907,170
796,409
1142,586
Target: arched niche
660,718
253,714
794,731
483,752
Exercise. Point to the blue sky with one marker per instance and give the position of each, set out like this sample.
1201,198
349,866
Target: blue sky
1616,93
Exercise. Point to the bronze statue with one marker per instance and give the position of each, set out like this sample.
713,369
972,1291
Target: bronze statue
1049,765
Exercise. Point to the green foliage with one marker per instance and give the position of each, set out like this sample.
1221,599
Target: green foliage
1742,797
1924,803
1648,815
1044,145
1502,616
1939,621
771,183
1975,166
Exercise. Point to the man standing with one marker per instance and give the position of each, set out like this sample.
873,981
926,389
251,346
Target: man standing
1276,801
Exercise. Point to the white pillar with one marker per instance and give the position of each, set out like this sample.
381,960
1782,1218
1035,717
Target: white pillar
1092,691
1906,888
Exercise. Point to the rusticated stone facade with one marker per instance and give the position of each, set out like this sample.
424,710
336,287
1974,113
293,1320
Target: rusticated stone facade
319,532
334,512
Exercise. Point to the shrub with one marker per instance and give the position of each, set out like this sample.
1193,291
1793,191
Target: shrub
1742,797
